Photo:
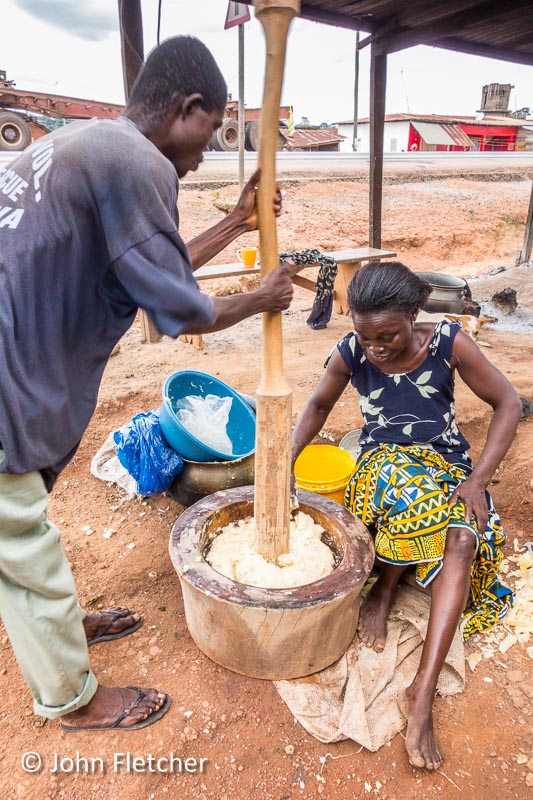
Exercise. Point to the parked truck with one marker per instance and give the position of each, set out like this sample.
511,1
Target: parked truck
227,136
15,121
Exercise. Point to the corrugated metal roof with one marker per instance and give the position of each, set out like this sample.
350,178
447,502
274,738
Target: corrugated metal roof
504,122
501,30
459,137
433,133
304,137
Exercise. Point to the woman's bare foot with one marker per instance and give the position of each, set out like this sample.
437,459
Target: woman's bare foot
117,707
112,623
372,628
420,742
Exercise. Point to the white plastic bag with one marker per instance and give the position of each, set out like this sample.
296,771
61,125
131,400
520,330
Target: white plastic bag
207,419
106,466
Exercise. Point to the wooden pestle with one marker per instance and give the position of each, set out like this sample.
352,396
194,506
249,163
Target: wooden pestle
274,396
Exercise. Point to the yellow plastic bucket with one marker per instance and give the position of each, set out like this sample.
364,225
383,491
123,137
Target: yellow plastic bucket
324,469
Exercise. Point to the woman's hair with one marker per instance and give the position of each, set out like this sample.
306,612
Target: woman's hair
387,286
175,69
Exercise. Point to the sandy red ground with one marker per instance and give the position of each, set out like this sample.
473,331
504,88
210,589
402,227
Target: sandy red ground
253,745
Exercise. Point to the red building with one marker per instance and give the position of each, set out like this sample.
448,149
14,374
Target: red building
438,132
465,133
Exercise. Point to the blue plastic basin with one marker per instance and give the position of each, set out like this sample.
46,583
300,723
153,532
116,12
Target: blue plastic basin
241,422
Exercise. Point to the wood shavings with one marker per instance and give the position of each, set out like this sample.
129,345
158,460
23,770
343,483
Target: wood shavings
520,617
524,561
487,650
473,660
507,643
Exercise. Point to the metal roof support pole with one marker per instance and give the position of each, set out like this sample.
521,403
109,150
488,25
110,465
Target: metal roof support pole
527,246
378,86
241,107
132,48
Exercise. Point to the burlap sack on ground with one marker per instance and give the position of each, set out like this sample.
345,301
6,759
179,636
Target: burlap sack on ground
358,697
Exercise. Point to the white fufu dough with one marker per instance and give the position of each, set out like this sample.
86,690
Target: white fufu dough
233,554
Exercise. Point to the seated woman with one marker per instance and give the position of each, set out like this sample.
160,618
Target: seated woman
414,485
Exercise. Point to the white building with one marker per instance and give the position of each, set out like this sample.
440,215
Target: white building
395,134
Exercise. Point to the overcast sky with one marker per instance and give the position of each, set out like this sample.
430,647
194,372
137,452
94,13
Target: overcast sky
72,47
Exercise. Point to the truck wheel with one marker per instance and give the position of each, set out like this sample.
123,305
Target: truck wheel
251,135
14,132
227,136
213,144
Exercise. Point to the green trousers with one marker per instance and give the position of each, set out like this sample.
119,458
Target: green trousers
38,601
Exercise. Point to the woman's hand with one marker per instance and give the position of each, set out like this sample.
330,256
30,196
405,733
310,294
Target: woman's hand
246,209
472,493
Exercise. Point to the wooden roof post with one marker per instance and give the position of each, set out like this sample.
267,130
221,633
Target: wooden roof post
131,41
132,48
527,245
378,87
274,397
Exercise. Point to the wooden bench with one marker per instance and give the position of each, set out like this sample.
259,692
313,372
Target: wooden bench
348,262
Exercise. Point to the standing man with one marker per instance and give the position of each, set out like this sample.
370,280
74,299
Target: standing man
88,235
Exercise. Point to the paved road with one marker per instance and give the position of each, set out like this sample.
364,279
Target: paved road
223,167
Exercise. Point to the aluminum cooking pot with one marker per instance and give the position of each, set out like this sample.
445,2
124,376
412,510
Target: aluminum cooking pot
200,478
448,293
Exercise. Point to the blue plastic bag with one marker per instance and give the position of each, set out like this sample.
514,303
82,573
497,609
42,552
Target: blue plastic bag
142,450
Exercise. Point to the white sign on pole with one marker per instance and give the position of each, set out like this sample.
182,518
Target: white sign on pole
237,14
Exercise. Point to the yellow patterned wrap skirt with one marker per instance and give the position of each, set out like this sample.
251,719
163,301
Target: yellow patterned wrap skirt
401,494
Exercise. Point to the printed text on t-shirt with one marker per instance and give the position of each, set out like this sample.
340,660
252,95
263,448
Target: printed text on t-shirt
41,161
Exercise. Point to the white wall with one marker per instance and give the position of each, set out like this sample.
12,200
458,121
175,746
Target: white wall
396,135
346,144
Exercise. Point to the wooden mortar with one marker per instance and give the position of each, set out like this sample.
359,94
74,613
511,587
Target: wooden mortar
274,634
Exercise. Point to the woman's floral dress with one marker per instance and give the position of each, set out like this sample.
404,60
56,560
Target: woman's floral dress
412,457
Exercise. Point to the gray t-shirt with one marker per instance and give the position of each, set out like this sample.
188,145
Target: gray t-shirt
88,234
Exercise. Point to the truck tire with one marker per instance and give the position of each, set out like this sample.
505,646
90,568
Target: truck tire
14,132
213,144
227,136
251,136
